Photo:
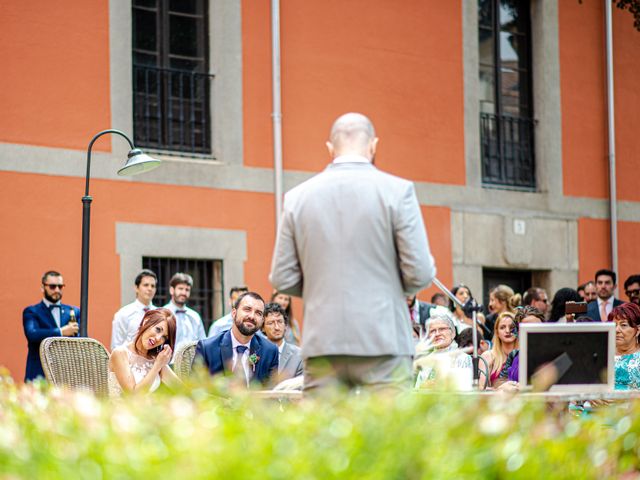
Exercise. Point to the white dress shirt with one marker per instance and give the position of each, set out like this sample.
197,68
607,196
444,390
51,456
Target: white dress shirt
189,327
126,322
245,357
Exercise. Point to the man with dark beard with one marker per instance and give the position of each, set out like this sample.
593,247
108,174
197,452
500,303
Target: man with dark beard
239,352
49,318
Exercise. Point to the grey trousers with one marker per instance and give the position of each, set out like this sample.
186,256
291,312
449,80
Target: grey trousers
382,373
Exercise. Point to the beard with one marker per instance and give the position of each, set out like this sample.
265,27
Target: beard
245,329
52,299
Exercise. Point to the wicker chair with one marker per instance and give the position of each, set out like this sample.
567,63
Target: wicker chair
183,359
79,363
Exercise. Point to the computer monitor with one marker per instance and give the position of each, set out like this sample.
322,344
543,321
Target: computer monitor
581,356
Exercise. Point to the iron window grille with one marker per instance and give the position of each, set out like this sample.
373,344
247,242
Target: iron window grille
171,83
506,107
206,292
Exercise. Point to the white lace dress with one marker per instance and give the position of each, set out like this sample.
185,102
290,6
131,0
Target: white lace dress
140,367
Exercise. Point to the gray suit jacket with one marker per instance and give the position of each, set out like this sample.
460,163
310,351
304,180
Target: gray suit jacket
352,242
290,363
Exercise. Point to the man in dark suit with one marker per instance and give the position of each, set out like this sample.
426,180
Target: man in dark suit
49,318
601,307
239,352
419,312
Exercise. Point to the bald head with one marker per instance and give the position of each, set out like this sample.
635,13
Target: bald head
352,134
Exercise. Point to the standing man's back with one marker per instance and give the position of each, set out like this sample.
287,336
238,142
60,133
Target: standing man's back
353,243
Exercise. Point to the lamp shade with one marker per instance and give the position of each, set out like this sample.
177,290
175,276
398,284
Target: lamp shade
138,162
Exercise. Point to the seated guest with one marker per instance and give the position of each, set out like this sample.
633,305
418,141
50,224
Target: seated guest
501,299
142,364
561,297
439,299
632,289
239,351
419,312
289,358
439,354
627,359
292,333
504,342
462,320
465,341
224,323
587,291
526,314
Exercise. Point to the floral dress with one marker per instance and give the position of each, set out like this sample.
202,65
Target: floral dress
627,371
139,366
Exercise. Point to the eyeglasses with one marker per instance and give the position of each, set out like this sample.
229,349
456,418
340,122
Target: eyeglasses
54,286
632,293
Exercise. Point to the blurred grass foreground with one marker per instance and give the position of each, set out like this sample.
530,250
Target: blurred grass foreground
195,434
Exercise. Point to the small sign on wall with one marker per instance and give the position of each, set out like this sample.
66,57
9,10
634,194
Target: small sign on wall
519,227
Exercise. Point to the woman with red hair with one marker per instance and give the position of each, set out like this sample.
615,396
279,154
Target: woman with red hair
627,359
143,363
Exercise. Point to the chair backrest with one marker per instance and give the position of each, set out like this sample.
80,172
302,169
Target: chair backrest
183,360
79,363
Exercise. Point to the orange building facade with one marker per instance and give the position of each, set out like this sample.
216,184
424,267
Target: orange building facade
411,66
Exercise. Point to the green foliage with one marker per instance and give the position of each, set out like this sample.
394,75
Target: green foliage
50,433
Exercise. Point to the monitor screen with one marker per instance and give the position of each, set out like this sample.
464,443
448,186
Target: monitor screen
576,357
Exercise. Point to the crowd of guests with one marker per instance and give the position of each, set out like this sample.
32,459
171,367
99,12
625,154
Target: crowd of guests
145,337
259,342
448,331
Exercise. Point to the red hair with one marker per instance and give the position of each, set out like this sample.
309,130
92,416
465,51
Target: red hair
629,311
152,318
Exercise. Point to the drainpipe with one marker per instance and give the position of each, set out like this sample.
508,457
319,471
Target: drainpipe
612,141
277,107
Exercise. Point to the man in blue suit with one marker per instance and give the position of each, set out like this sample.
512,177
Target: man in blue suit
49,318
239,352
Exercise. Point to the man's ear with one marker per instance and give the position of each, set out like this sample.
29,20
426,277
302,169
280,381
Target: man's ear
374,145
330,148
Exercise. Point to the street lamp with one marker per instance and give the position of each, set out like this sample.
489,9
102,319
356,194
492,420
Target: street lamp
137,162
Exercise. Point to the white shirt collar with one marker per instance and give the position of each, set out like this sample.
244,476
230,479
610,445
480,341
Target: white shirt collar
281,347
351,159
235,342
142,306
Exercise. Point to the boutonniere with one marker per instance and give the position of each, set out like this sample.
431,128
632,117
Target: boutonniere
253,360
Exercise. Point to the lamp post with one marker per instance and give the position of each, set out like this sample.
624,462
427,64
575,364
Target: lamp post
137,162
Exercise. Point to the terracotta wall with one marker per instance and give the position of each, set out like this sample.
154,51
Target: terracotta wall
46,229
584,101
398,62
54,87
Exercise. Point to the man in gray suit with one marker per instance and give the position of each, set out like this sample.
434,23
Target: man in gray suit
290,359
352,243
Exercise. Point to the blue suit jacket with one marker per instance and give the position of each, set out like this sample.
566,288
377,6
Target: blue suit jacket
38,323
217,353
594,313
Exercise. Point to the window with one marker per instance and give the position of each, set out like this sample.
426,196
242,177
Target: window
207,291
506,113
170,75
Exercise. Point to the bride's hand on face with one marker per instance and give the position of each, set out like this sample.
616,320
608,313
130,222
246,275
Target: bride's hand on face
164,357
